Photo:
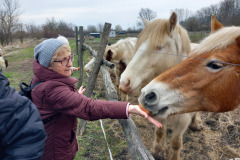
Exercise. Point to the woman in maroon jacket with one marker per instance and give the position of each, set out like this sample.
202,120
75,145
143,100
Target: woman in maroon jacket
60,103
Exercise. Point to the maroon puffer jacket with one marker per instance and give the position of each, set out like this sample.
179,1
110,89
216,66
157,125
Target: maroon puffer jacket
57,97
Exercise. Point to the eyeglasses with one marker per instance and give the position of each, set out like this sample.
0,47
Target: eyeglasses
65,61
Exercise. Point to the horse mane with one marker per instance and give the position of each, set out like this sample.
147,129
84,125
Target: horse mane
218,40
157,29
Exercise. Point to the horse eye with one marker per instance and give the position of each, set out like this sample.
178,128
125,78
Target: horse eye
214,65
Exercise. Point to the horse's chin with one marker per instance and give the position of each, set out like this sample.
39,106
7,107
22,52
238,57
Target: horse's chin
163,113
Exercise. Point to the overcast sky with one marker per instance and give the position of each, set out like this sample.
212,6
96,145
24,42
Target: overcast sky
93,12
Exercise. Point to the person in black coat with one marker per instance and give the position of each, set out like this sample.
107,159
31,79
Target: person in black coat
22,133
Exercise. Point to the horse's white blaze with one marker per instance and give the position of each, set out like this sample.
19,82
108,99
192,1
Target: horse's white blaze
138,58
166,97
147,64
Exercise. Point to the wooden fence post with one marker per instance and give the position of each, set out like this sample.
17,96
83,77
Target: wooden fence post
94,73
76,31
80,81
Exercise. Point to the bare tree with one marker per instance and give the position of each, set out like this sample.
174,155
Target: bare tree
226,11
91,28
192,24
34,31
50,28
20,33
9,18
147,14
100,27
182,14
118,28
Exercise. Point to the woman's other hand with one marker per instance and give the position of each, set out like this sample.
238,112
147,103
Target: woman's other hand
75,69
135,109
81,90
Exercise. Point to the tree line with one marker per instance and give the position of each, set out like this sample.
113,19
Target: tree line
226,11
11,27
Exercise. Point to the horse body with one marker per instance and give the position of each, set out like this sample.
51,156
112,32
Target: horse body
120,54
208,80
155,49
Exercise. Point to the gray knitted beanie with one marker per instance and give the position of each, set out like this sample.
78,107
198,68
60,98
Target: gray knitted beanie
43,52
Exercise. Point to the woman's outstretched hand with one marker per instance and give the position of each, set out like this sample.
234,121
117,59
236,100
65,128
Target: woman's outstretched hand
75,69
135,109
81,90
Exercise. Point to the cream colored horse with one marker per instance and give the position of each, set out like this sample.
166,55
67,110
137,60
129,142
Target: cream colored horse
161,45
120,54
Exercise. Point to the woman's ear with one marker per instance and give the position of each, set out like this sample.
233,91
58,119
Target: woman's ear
50,67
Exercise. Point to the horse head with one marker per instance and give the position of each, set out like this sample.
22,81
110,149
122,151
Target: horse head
206,81
155,43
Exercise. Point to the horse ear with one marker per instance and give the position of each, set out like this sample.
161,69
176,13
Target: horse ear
145,22
215,24
172,22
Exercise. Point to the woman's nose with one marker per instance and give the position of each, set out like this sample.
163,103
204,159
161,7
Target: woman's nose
69,63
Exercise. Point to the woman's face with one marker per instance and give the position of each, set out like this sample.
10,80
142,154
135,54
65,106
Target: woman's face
63,64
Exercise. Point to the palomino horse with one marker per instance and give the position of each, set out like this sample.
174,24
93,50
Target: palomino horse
157,44
120,54
206,81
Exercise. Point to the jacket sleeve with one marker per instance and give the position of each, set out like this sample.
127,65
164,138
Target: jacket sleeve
21,129
63,99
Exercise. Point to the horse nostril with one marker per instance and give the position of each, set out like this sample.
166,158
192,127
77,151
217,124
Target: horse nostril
150,98
128,83
124,86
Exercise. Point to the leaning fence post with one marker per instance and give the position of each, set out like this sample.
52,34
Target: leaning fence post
94,74
137,149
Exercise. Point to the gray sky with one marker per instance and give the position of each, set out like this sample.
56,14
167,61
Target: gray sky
90,12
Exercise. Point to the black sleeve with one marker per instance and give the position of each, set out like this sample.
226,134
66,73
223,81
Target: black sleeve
21,128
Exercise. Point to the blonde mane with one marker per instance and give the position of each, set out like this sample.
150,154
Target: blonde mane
218,40
156,31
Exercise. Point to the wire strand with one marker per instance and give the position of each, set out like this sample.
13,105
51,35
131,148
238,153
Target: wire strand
185,56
